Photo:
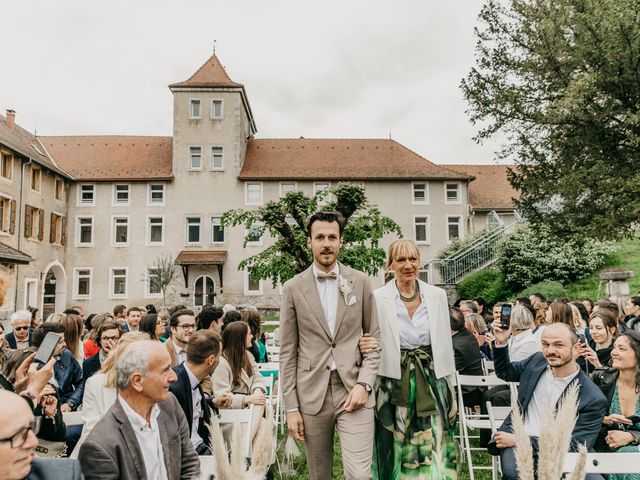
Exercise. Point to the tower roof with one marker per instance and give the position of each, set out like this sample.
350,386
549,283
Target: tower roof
210,74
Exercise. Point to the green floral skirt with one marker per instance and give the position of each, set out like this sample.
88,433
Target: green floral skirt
408,446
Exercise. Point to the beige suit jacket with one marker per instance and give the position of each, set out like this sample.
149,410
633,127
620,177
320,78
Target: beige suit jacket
307,348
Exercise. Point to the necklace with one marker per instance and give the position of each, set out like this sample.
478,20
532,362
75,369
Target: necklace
412,297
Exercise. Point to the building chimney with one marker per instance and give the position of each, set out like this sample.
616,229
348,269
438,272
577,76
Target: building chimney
11,119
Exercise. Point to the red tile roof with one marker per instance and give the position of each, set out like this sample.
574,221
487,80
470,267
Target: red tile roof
104,158
491,189
201,257
210,74
338,159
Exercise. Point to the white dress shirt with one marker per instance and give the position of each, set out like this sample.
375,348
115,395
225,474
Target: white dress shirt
328,293
148,436
196,407
413,332
181,354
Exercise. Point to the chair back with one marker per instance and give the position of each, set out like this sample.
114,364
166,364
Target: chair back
627,462
238,418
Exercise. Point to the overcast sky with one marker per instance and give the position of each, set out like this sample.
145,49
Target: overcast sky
324,69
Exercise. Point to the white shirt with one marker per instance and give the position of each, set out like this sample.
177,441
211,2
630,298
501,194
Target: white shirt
131,329
181,354
545,396
413,332
196,407
22,345
523,345
328,293
148,436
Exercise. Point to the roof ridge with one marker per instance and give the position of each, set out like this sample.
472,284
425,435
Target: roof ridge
203,77
432,163
108,135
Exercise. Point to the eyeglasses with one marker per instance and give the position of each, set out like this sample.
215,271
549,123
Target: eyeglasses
106,339
161,322
19,438
19,329
188,326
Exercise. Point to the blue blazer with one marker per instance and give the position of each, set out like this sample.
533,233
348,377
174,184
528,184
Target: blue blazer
11,339
90,366
68,374
592,405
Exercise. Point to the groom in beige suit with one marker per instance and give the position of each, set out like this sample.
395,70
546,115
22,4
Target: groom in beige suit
326,382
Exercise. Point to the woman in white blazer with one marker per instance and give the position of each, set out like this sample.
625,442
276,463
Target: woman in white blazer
415,400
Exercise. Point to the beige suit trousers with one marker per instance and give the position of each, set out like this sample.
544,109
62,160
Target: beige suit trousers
355,430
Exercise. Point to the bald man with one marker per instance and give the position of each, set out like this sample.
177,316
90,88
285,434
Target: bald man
542,375
18,441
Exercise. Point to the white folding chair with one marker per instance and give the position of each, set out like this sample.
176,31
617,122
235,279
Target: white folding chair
237,417
470,420
488,367
72,418
497,415
608,463
274,353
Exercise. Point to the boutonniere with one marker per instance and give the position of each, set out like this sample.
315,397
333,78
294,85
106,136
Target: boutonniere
345,290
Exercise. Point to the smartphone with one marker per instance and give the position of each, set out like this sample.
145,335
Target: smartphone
47,347
582,339
505,316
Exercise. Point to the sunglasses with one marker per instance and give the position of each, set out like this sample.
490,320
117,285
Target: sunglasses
19,329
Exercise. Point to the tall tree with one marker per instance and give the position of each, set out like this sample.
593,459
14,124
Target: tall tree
559,81
286,222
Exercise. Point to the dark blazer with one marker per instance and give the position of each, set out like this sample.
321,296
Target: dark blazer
91,365
55,469
11,339
181,388
68,374
111,450
592,404
468,361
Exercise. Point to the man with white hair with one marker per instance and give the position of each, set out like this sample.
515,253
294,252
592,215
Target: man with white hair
145,434
20,337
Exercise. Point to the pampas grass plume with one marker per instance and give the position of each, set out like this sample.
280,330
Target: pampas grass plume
578,471
523,451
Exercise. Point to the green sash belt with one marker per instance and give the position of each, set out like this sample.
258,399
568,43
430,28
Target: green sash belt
425,402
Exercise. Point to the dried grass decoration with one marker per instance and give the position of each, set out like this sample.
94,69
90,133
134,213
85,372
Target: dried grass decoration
554,441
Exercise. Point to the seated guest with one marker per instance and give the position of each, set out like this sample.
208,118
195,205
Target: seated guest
182,325
90,345
120,314
478,327
107,337
150,308
153,326
467,356
36,318
632,309
621,385
203,354
603,327
545,376
132,320
258,349
145,434
4,351
21,335
230,317
560,312
210,318
73,327
17,455
525,337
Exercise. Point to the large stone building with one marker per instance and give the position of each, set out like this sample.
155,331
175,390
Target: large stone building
109,206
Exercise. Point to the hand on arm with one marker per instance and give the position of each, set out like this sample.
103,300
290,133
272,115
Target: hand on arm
367,344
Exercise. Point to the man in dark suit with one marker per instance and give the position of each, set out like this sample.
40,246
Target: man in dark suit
20,336
203,354
546,375
107,338
466,354
145,435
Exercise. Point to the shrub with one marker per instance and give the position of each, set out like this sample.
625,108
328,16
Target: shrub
549,289
488,284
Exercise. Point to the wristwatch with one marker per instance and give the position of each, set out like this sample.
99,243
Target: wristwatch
366,386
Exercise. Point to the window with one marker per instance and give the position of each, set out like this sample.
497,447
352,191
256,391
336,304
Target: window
195,158
84,231
493,221
5,215
217,109
217,158
421,229
203,291
253,235
120,195
56,230
420,192
82,282
452,193
454,228
153,283
193,229
217,231
86,195
156,194
156,230
59,189
120,231
33,222
118,282
36,178
286,187
30,291
194,109
251,286
6,165
253,193
321,187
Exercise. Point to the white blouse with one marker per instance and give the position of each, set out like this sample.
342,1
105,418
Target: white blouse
413,332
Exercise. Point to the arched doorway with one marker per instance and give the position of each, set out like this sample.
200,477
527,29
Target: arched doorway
203,291
54,291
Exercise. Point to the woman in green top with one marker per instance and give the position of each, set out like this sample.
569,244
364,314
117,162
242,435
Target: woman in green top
153,326
252,318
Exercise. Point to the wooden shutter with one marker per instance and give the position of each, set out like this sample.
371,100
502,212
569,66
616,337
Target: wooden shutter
12,221
53,228
41,224
27,221
63,227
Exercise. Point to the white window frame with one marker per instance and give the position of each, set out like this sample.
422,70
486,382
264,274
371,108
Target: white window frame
426,193
213,242
3,231
327,198
31,281
77,242
254,244
79,202
32,170
114,196
76,283
283,193
460,228
150,202
191,167
191,103
58,181
427,241
186,230
248,292
246,193
111,284
213,109
114,243
148,242
453,202
213,168
147,285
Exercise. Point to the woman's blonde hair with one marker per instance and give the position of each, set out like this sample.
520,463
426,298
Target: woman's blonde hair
522,318
55,318
403,247
108,367
478,325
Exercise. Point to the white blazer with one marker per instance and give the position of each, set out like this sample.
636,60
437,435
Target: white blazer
439,327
